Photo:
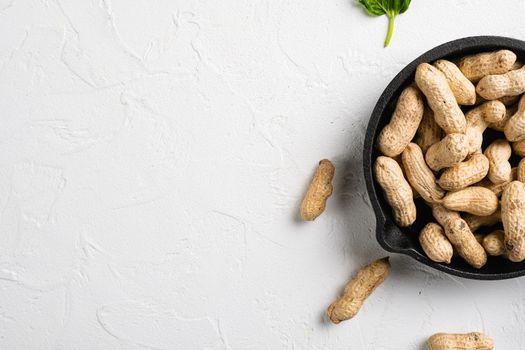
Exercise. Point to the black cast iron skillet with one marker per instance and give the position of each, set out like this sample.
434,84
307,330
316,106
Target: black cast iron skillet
405,240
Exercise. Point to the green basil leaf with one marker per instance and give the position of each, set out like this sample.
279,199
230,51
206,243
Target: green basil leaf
390,8
373,7
403,6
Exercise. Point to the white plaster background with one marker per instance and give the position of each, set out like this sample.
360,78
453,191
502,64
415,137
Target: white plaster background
153,155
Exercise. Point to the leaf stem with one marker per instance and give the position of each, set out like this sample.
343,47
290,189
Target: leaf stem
391,18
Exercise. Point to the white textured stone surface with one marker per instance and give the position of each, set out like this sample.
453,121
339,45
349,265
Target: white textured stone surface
153,155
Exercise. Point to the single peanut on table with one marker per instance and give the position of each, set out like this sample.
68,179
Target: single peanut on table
467,341
435,244
513,218
440,98
396,189
357,290
314,202
451,150
477,66
404,123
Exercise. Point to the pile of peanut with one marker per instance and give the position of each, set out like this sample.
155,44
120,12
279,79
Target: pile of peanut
432,148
